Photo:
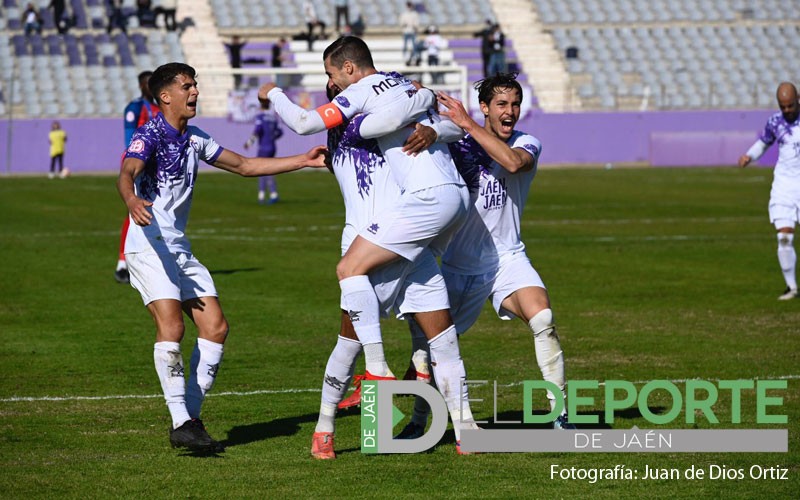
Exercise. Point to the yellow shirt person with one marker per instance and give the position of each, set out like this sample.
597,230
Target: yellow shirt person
58,138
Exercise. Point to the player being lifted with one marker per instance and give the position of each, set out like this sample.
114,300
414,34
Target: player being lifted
432,205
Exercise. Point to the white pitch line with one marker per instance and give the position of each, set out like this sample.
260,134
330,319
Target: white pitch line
17,399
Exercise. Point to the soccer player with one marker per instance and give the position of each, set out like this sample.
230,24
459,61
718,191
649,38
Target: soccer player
432,205
414,290
486,260
266,132
784,198
157,183
138,112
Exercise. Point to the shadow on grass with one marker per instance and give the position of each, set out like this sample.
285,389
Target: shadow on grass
245,434
232,271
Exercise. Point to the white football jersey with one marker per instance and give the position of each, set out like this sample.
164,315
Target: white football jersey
364,178
379,93
171,163
786,182
492,230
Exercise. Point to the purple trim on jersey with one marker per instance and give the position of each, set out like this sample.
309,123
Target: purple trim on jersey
777,129
343,102
163,150
363,154
530,148
471,160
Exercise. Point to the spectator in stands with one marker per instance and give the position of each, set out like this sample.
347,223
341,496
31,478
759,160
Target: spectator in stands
433,44
266,132
145,13
57,140
497,51
358,27
59,7
784,198
278,58
486,44
312,21
342,11
116,18
168,8
235,51
409,23
32,20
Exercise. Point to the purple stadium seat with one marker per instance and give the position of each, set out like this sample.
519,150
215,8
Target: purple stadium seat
54,45
103,38
74,56
14,24
9,3
47,19
79,13
20,46
109,61
139,43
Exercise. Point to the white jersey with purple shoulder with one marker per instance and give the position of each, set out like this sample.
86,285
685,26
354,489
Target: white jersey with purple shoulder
388,95
786,182
171,164
492,230
364,178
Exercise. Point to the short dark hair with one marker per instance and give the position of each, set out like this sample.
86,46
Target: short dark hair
164,75
349,48
492,85
144,77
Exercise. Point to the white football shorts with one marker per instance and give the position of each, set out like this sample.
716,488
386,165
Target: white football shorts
164,275
468,293
427,218
783,215
410,287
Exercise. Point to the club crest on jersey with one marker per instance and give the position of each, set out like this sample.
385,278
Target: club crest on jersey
342,101
373,228
136,146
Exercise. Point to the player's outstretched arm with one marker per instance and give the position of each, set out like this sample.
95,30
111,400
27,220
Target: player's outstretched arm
137,207
254,167
512,159
301,121
754,153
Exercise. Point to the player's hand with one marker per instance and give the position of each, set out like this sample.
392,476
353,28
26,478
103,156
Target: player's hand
744,161
316,157
138,208
455,110
420,140
263,91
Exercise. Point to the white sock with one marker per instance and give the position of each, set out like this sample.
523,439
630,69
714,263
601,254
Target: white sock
420,358
206,357
362,305
548,352
787,258
122,264
169,367
449,372
338,374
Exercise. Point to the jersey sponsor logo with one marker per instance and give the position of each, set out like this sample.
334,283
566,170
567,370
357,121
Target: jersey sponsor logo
137,146
494,194
387,84
373,228
342,100
354,316
530,148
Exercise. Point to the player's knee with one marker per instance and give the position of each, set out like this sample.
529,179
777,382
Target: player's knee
171,331
344,269
785,239
217,332
542,322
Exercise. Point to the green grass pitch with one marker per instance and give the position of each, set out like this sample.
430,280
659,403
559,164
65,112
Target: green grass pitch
653,274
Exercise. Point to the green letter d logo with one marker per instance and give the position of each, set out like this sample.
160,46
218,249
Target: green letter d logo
378,416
